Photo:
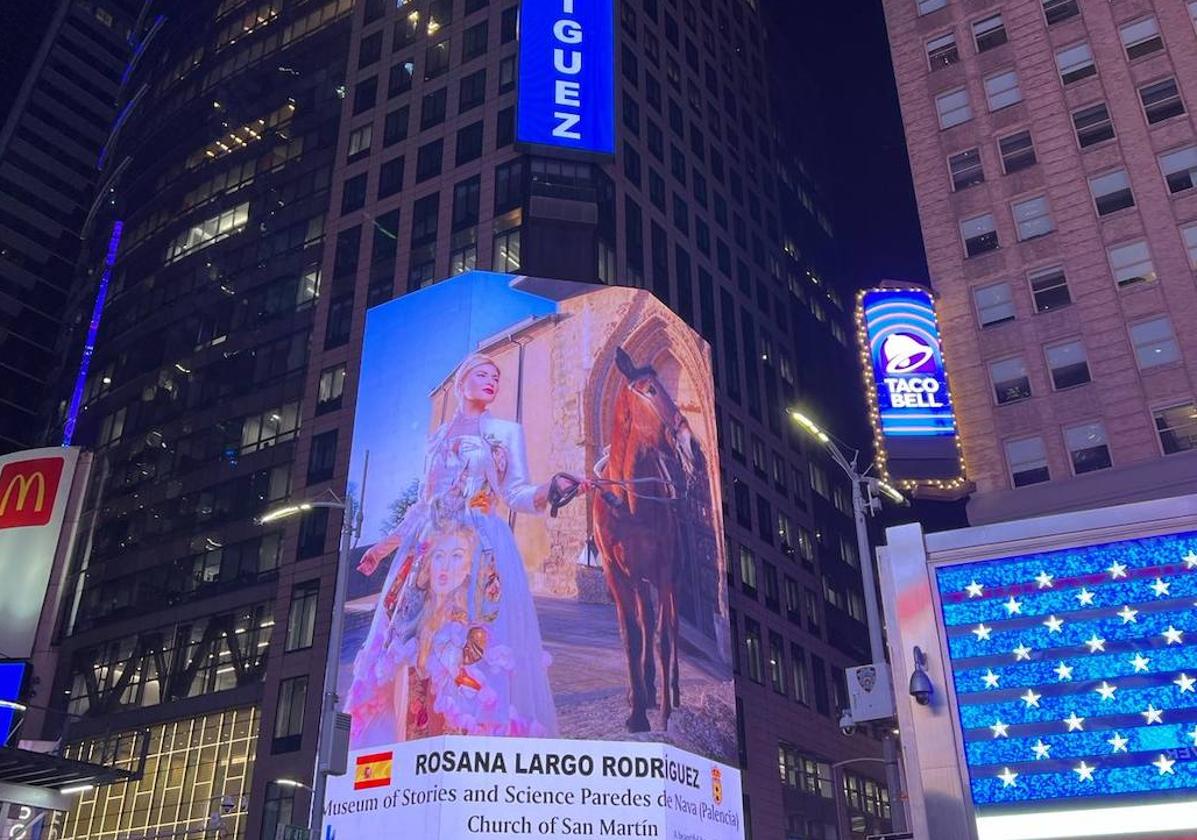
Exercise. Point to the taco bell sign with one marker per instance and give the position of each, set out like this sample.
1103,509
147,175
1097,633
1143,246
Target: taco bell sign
913,416
567,76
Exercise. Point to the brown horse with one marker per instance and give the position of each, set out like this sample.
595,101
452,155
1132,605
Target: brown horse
637,521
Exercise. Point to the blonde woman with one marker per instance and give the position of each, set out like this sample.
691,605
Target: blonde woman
499,684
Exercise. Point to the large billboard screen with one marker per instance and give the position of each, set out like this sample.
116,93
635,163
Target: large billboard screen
1075,677
536,621
35,486
566,97
907,383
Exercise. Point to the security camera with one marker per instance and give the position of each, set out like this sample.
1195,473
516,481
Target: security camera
847,723
921,688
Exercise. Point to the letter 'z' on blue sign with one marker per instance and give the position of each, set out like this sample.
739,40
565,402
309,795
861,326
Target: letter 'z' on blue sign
567,76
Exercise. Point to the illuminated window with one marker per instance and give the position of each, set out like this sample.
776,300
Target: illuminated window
989,33
1161,100
196,781
271,427
330,389
1088,448
1027,459
1111,192
1154,342
1141,38
359,142
1049,289
1180,169
1010,380
208,232
1068,364
507,251
1177,427
1093,125
301,620
818,481
1032,218
1075,63
753,650
1131,263
942,51
953,108
748,571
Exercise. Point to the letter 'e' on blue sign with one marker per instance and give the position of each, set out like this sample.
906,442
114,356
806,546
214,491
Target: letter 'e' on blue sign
914,423
566,95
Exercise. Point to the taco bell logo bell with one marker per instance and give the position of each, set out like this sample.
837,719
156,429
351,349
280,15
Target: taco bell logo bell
910,372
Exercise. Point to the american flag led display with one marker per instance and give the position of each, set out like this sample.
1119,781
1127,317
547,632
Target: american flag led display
1076,672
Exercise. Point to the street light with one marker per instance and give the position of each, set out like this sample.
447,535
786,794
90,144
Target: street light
291,783
861,507
351,529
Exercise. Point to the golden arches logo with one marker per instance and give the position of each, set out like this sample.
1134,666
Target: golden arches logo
28,490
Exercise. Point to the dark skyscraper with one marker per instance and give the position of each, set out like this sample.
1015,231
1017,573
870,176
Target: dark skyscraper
50,146
291,164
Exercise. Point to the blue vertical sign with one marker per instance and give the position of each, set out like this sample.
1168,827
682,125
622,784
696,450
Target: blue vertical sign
567,76
12,682
911,407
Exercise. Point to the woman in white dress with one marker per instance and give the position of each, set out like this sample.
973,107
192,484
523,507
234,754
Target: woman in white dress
452,652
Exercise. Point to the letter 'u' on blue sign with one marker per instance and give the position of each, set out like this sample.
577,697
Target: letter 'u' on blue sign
567,76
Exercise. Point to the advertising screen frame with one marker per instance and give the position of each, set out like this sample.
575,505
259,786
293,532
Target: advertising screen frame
932,457
534,138
932,741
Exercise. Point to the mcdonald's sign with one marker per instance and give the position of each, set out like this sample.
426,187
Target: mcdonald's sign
28,490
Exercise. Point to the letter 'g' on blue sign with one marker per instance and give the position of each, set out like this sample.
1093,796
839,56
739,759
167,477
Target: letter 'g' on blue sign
567,76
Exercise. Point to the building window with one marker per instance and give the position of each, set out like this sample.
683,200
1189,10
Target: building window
469,144
429,160
753,651
748,571
1068,364
798,676
1189,234
1057,10
1177,427
1141,38
301,621
1010,380
1002,91
390,177
1027,459
436,60
313,527
322,457
1154,342
288,715
818,481
1032,218
507,251
989,33
433,107
1161,100
995,304
365,95
353,194
473,42
928,6
793,602
1131,263
394,127
966,169
472,91
269,428
1075,63
942,51
400,78
330,389
208,232
953,108
980,235
1018,152
340,320
1111,192
1049,289
359,143
777,663
1093,125
278,809
1180,169
1087,447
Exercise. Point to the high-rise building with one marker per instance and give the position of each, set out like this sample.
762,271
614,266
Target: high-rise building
1053,149
50,146
294,163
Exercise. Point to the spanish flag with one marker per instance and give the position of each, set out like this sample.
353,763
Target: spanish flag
372,771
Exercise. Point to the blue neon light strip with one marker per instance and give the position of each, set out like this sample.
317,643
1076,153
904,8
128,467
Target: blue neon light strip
1076,671
93,328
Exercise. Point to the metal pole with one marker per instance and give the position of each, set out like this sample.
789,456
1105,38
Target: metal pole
893,781
867,572
843,828
328,702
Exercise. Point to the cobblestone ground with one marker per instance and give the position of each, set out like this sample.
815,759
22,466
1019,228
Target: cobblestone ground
589,678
